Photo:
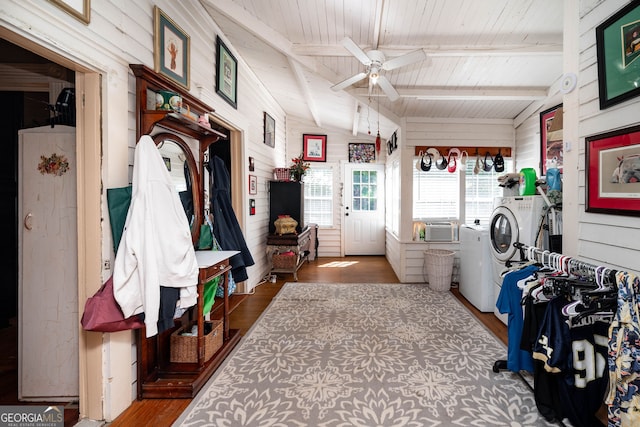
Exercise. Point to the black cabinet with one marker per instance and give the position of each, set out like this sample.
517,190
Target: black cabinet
286,198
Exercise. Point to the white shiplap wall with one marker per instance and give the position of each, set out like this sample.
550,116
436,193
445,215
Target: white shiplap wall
608,239
330,238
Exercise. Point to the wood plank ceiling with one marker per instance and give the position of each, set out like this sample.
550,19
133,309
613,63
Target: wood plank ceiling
489,59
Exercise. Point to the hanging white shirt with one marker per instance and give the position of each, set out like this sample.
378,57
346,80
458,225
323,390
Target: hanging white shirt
156,247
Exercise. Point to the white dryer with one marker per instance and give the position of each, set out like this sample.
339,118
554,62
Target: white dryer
476,282
514,219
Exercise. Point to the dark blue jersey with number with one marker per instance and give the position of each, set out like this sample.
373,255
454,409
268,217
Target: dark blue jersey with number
576,351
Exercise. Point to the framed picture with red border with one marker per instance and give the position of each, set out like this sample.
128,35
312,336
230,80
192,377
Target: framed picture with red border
613,172
314,148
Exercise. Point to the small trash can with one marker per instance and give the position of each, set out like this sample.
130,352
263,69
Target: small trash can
439,265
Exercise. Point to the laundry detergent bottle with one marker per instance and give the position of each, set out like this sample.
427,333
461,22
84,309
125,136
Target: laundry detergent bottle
528,181
554,179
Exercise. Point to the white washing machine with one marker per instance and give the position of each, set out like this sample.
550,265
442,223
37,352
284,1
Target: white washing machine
514,219
476,282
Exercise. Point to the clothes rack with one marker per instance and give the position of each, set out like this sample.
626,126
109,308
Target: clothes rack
564,263
593,288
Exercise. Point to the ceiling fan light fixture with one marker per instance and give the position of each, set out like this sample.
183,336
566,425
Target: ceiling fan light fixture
374,73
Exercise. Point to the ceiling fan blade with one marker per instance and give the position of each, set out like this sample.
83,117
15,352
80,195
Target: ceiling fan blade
356,51
389,90
406,59
348,82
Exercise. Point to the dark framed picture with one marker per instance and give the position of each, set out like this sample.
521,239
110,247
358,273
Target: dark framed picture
269,130
79,9
314,148
613,172
167,162
171,49
551,151
618,51
362,153
253,184
392,143
226,74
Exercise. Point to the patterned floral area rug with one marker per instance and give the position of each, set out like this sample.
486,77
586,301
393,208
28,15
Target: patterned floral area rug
364,355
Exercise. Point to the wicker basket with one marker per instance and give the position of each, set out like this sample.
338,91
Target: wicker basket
439,265
281,261
184,348
282,174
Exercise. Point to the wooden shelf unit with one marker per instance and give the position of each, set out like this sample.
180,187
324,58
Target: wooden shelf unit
296,243
158,377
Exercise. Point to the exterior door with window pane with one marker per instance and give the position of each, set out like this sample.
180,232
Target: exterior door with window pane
364,209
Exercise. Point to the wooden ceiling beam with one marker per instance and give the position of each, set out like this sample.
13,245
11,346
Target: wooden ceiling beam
554,49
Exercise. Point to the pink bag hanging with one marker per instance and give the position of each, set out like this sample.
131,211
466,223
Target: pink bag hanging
103,314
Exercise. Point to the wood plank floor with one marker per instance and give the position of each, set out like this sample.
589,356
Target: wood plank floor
370,269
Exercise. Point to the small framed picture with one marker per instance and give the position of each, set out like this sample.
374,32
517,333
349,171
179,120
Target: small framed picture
269,130
612,169
314,148
171,49
226,74
253,184
167,162
362,153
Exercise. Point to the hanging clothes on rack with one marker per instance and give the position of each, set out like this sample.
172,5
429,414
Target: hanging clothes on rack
568,312
623,399
509,302
576,353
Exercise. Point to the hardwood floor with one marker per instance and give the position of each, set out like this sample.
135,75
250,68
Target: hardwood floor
354,269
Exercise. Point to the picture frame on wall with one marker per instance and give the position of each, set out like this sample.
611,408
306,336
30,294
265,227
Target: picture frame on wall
613,172
362,152
618,54
253,184
226,74
551,139
171,49
79,9
269,130
314,148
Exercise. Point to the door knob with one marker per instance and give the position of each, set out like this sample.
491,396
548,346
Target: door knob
28,221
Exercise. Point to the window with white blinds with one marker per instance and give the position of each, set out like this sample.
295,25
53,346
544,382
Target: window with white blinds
480,190
438,194
318,196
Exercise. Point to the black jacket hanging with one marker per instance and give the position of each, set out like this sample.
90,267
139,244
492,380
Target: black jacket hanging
225,224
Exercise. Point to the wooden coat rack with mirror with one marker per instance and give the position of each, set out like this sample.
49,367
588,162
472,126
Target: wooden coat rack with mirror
158,376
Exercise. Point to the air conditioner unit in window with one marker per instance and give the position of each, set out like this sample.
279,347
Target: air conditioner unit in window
441,232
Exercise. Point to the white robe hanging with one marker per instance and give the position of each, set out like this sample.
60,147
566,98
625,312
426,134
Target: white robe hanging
156,247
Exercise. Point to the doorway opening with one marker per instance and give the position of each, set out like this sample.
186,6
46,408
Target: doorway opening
30,89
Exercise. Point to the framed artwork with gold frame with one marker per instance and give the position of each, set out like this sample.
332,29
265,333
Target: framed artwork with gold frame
79,9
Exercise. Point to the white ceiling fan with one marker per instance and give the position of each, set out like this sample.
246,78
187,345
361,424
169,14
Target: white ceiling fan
376,62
